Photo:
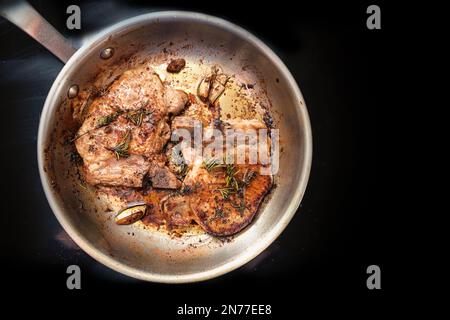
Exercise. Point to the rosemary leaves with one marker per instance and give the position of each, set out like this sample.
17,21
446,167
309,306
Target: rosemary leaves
219,213
137,117
230,178
226,192
211,164
121,150
235,186
108,119
231,182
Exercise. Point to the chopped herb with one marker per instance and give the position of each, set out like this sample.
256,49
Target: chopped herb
219,213
121,150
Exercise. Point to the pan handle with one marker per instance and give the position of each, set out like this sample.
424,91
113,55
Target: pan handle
23,15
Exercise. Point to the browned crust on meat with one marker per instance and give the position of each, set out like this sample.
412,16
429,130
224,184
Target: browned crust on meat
132,115
224,217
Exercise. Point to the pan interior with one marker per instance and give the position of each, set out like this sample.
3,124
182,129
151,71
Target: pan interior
146,253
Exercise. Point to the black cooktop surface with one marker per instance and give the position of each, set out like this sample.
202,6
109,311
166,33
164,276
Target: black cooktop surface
337,232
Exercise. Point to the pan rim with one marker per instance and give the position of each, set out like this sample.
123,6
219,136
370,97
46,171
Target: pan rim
243,257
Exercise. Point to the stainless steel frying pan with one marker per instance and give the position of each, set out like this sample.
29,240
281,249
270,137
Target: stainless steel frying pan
201,39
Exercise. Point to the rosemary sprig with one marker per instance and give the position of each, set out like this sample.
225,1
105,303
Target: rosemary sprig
230,178
226,192
106,120
137,117
210,164
231,183
101,122
121,150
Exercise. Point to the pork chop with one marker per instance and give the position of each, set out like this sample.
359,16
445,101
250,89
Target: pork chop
126,127
220,208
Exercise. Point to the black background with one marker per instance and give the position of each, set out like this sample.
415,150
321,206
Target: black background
340,228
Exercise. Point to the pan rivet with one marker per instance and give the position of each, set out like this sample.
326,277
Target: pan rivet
73,91
107,53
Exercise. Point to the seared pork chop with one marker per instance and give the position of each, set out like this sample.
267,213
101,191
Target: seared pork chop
126,127
222,208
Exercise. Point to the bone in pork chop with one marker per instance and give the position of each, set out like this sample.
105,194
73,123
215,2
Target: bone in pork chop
219,207
126,127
